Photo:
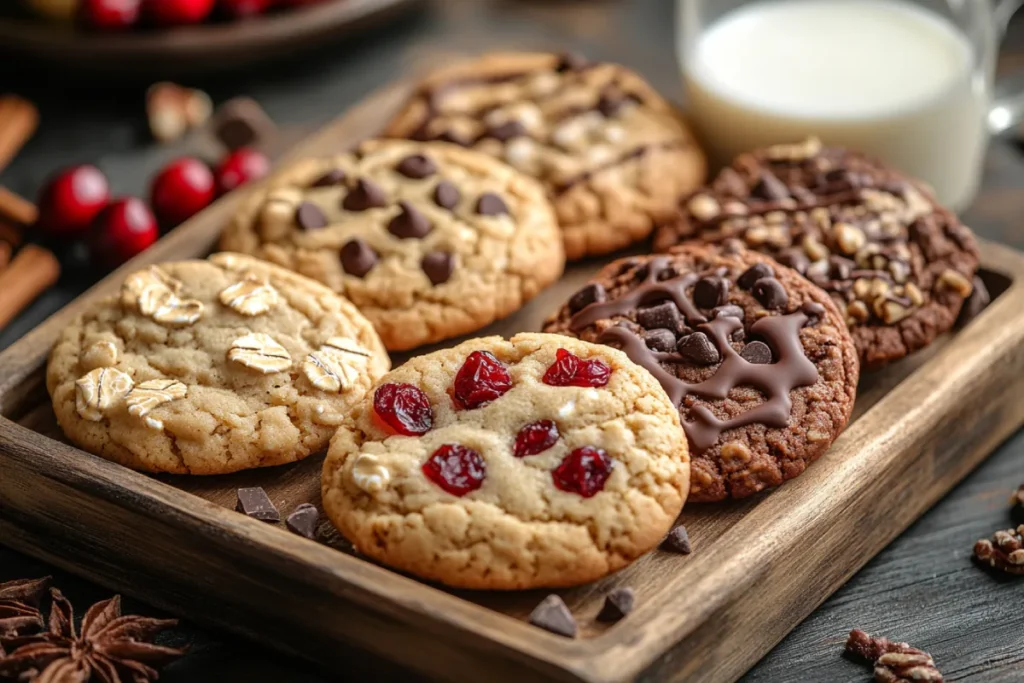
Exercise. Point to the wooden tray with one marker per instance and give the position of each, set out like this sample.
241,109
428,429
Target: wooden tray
758,568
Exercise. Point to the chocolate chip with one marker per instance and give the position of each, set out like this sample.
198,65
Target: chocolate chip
769,188
309,216
490,204
552,615
409,223
667,273
594,293
697,347
506,131
840,268
416,166
753,274
757,352
795,259
617,604
438,265
978,300
303,521
728,311
610,103
365,195
814,312
710,292
677,541
770,293
241,122
660,340
455,137
571,61
446,195
663,315
335,176
358,258
255,503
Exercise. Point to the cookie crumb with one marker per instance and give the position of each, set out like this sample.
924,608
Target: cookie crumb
677,541
617,604
552,615
1005,551
302,521
254,502
894,662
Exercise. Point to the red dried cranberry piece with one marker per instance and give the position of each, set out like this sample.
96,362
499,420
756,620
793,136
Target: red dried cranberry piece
535,438
456,469
569,370
584,471
404,408
480,380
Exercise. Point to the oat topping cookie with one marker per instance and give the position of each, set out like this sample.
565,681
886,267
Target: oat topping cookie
613,154
428,240
898,265
757,359
209,367
540,461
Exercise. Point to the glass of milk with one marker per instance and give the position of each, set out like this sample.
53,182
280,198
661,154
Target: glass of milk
909,82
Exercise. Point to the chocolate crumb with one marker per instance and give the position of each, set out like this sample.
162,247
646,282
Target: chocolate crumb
552,615
677,541
302,521
617,604
254,502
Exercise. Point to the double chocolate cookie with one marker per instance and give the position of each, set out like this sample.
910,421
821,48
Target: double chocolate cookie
757,359
612,153
428,240
898,265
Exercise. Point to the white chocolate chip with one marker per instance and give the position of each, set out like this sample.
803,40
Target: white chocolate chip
369,474
568,409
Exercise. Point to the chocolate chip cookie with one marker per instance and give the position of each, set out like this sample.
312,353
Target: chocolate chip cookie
539,461
898,265
428,240
612,153
209,367
756,358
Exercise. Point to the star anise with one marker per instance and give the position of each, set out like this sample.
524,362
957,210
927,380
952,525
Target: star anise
108,648
894,662
1004,552
19,607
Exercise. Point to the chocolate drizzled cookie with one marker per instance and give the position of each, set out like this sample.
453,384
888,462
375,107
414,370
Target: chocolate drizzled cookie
757,359
898,265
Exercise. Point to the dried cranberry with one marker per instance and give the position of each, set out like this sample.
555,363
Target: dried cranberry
584,471
569,370
480,380
404,408
535,438
456,469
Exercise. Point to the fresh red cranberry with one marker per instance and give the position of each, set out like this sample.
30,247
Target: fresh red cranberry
404,408
569,370
176,12
183,188
584,471
122,230
241,166
240,9
456,469
535,438
109,15
480,380
71,200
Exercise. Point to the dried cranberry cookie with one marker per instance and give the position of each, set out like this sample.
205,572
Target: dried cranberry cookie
539,461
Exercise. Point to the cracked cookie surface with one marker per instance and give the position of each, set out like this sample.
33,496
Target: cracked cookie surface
517,474
210,367
613,155
428,240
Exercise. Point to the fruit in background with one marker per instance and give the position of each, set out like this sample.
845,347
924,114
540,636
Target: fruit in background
183,188
57,10
239,9
240,167
71,200
109,15
123,229
176,12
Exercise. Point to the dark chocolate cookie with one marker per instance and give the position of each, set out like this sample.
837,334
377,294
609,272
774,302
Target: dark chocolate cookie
756,357
898,265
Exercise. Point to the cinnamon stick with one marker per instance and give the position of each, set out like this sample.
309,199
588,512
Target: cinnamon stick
33,271
17,209
18,120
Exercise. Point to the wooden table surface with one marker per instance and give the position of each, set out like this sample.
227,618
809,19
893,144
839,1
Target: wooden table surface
923,588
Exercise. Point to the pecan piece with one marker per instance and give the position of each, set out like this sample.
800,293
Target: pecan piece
1005,551
894,662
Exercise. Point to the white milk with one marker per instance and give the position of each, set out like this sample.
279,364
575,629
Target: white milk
882,76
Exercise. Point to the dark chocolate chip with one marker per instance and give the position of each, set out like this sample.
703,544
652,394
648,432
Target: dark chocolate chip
770,293
241,122
446,195
667,273
795,259
409,223
570,61
664,315
677,541
814,312
840,267
757,352
335,176
309,216
490,204
610,103
594,293
303,521
456,138
753,274
255,503
769,188
365,195
438,265
416,166
728,311
978,300
617,604
660,340
552,615
358,258
698,348
710,292
506,131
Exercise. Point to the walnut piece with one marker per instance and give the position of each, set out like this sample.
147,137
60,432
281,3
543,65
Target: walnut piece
1005,551
149,394
100,390
260,352
336,365
251,296
894,662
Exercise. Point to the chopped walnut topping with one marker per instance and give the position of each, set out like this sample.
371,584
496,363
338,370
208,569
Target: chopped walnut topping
954,281
894,662
1004,552
795,152
703,207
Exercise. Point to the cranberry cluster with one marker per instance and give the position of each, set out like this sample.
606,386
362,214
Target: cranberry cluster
458,469
123,15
